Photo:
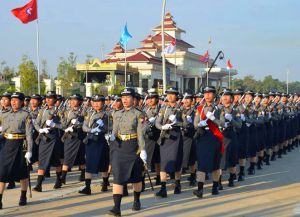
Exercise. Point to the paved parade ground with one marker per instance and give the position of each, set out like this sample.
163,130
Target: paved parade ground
273,191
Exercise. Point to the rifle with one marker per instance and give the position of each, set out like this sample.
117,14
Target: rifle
163,133
39,137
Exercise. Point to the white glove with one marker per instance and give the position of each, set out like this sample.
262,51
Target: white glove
107,137
210,116
50,123
152,120
74,121
44,130
172,118
95,130
112,137
270,115
69,129
202,124
100,123
189,119
28,155
0,128
226,124
243,118
228,117
166,127
143,156
248,124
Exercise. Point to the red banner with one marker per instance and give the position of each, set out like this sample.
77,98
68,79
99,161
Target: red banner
213,128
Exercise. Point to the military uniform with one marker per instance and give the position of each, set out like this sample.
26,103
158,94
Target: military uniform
17,132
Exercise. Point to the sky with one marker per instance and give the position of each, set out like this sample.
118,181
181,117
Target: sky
260,37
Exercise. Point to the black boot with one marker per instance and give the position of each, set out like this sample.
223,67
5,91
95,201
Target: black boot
38,186
1,205
177,189
47,173
199,193
273,158
220,183
215,188
82,175
116,211
125,190
105,184
259,163
289,149
297,143
163,191
63,177
157,182
251,169
57,184
11,185
143,184
241,174
136,203
268,160
23,198
280,153
87,189
193,179
231,180
284,150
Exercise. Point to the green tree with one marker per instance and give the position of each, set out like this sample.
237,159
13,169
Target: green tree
44,70
67,74
28,75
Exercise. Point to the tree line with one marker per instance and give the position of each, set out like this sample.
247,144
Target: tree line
67,76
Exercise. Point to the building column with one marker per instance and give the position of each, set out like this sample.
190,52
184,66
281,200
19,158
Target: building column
88,89
196,84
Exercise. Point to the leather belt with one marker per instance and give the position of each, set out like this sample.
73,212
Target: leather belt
125,137
13,136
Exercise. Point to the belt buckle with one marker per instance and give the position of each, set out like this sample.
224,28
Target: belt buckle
123,137
10,136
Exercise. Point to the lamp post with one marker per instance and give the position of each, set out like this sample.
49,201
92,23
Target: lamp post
220,56
163,46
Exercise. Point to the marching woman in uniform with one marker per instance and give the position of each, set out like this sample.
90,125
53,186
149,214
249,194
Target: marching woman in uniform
72,121
152,133
188,131
16,129
209,141
169,121
232,124
47,124
127,151
97,150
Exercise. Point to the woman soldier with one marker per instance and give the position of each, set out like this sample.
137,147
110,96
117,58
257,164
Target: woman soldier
16,129
72,120
152,134
232,124
127,151
209,141
97,150
47,124
169,121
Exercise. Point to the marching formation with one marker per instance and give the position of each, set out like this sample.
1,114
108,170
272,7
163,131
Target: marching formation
129,135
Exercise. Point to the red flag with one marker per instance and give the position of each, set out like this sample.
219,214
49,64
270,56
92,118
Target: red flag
229,66
27,13
204,58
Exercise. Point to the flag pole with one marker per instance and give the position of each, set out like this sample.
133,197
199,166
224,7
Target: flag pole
38,52
125,65
164,76
229,78
175,67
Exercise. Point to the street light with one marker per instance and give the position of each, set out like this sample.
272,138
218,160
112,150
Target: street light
163,46
220,56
